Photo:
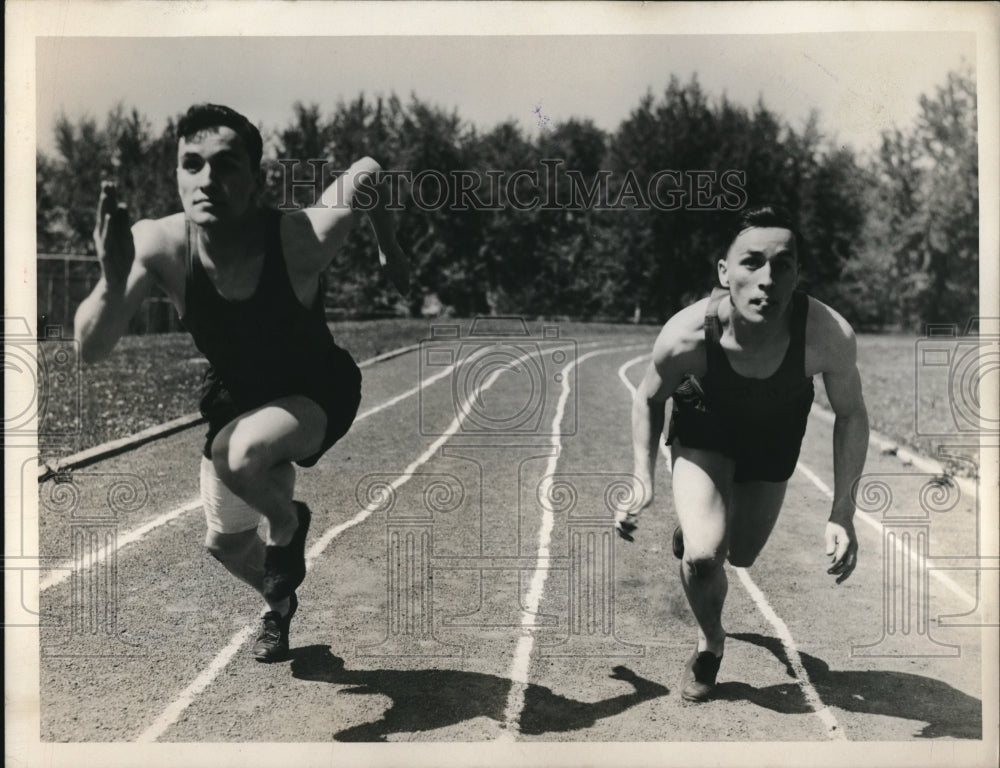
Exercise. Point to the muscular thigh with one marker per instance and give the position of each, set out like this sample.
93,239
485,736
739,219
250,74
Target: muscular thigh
702,483
284,430
754,509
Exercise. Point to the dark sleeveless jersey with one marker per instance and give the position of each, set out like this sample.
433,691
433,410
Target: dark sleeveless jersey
266,346
759,422
257,345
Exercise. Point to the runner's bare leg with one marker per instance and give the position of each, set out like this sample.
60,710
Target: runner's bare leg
702,482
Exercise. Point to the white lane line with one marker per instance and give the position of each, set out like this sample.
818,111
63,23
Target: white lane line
413,390
822,711
187,696
63,571
321,544
520,666
397,352
622,372
867,518
169,716
887,445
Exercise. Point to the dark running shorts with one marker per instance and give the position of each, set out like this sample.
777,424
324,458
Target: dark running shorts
335,385
763,448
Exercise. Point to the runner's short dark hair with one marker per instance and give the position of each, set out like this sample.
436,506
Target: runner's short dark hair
766,216
206,116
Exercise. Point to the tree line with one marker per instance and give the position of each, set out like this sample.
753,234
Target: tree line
621,225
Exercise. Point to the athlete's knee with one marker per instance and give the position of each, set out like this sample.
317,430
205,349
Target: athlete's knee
703,563
226,547
239,464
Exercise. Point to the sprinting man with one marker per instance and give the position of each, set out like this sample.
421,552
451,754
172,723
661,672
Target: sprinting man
739,366
245,281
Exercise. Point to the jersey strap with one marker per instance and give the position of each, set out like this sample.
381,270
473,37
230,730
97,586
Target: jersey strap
713,330
793,364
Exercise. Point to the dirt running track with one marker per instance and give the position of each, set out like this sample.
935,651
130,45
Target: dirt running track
429,615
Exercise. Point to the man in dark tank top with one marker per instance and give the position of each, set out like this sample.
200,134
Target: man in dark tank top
739,367
245,281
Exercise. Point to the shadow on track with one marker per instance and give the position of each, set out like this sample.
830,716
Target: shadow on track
947,711
425,699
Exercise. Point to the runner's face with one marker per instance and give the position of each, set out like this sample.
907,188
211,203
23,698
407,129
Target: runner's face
214,177
761,271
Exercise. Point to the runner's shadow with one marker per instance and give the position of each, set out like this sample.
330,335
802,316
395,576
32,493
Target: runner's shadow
947,711
426,699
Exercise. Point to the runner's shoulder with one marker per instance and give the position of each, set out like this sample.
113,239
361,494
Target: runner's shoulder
159,242
682,338
829,336
299,242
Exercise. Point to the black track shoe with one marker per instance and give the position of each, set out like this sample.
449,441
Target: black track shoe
626,525
699,676
272,642
285,567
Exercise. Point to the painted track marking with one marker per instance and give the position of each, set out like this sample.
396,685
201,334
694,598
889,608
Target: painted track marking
519,669
885,444
176,708
860,513
173,711
821,710
317,548
62,572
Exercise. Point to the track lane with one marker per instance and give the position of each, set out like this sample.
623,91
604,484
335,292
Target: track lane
331,662
388,695
781,577
639,707
184,581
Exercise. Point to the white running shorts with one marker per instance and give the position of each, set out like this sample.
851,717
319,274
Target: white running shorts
225,512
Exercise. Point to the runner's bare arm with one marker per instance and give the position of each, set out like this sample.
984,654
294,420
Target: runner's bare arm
126,278
850,438
678,351
354,192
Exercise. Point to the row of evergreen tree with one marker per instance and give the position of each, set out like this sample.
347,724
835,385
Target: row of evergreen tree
891,238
